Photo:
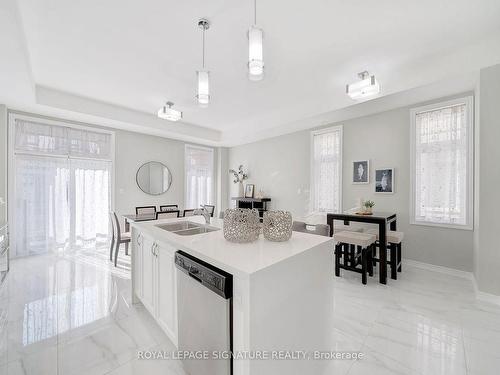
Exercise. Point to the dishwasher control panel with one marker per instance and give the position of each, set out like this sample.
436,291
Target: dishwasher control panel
214,278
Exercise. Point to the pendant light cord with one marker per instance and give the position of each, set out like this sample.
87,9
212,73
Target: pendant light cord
255,12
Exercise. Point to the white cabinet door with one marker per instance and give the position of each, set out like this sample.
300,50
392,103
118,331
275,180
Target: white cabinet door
137,241
167,291
148,274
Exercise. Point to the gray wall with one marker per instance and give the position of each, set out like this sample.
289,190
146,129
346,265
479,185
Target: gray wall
487,248
131,151
3,162
281,167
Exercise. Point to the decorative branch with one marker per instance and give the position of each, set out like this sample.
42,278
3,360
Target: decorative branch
239,176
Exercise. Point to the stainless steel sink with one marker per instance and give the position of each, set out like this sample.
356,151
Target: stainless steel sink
187,228
180,225
193,231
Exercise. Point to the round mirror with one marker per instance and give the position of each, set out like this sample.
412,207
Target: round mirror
153,178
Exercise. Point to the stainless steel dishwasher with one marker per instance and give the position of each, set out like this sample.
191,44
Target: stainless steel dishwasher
204,298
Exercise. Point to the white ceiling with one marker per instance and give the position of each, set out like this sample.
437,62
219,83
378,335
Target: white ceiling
116,62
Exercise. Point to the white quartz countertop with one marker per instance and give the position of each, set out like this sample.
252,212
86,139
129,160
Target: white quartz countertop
237,259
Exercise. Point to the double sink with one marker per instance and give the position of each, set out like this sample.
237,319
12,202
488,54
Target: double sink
187,228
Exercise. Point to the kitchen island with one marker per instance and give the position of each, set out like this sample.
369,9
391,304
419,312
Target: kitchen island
282,292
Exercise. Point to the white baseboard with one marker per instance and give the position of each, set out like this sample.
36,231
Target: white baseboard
441,269
481,296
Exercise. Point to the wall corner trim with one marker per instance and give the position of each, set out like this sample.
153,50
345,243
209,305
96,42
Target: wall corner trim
484,297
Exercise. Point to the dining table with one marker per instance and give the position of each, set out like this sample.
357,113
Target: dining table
137,218
382,219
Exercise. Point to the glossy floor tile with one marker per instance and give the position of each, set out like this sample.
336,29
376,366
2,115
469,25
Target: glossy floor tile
71,313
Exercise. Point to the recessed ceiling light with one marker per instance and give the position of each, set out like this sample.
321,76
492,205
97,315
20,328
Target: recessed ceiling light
368,86
168,113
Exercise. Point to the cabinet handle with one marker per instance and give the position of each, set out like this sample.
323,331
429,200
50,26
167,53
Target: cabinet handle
154,247
138,238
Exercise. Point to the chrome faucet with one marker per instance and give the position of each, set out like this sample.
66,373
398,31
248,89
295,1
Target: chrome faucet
204,212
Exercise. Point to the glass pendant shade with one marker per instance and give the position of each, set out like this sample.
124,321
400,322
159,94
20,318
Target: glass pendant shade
255,54
203,88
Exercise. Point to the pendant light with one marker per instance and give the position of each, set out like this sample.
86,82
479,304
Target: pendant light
168,113
203,75
255,50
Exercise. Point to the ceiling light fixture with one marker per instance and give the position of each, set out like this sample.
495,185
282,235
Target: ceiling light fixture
368,86
255,50
168,113
203,75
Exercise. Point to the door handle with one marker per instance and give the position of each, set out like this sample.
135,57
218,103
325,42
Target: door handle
194,277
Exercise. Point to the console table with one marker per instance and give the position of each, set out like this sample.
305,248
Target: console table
258,203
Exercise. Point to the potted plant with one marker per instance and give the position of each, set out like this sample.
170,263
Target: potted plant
239,177
368,206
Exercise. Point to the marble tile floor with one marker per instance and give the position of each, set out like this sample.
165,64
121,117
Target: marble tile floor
71,313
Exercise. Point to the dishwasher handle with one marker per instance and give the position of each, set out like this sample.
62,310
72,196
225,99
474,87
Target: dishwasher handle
211,277
195,277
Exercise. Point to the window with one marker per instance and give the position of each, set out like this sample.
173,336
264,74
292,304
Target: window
326,170
60,184
442,155
199,176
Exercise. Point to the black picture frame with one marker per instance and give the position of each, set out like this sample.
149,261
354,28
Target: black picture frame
385,181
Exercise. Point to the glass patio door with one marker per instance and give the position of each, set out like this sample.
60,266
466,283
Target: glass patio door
61,189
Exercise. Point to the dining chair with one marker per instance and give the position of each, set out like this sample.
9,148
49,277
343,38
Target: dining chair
319,229
394,246
124,237
113,235
145,210
167,214
169,207
189,212
210,209
355,249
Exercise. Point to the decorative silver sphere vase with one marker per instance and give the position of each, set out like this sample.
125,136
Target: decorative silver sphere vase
277,225
241,225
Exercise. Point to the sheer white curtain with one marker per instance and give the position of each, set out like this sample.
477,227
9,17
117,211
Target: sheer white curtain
91,194
441,165
41,204
62,192
326,184
199,163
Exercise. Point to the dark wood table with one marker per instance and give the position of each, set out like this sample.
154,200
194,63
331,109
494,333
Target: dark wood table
136,218
383,219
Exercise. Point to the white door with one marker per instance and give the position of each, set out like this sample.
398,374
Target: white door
167,291
148,274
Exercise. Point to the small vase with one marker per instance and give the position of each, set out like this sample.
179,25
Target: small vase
368,210
241,191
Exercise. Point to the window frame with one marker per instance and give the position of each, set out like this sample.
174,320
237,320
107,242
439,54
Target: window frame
336,128
214,172
469,116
